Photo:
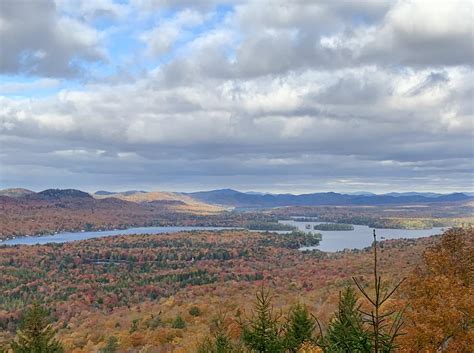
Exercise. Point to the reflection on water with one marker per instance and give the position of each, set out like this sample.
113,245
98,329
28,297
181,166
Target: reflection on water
359,238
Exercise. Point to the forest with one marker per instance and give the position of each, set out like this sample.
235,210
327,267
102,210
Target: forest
196,291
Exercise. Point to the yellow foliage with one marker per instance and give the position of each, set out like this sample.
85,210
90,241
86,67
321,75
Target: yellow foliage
309,348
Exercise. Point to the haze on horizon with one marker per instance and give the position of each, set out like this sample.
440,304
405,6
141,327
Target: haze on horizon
271,96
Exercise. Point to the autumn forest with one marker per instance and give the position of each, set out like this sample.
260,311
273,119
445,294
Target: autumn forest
238,291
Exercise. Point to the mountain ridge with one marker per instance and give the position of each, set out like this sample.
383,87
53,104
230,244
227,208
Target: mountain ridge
233,198
230,197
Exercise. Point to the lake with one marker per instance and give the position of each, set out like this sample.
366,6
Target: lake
69,236
359,238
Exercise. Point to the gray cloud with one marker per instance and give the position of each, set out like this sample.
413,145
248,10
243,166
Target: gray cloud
418,33
315,97
36,40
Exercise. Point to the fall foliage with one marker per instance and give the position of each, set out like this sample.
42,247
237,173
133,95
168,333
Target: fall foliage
439,296
163,293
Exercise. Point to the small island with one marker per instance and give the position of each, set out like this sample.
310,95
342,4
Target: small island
305,219
333,227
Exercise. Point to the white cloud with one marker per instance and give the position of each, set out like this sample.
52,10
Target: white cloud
161,39
19,87
418,33
322,93
91,10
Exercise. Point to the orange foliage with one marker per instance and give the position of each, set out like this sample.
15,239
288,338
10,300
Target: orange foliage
440,296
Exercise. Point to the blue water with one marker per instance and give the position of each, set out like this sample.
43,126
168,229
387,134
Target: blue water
359,238
67,237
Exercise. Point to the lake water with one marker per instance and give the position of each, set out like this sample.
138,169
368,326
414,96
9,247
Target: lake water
359,238
67,237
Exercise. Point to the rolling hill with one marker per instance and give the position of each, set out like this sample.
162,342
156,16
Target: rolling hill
16,192
180,202
56,210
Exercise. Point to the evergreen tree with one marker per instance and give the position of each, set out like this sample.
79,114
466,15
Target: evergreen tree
178,322
383,335
35,334
262,332
346,333
219,342
300,327
111,346
195,311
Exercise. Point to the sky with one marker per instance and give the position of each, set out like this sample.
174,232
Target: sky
277,96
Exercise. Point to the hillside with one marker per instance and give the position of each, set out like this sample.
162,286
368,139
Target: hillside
16,192
56,210
199,275
180,202
168,274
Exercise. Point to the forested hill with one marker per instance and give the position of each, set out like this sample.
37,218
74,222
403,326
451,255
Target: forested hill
229,197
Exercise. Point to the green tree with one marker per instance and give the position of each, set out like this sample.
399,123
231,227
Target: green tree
346,333
300,327
219,341
383,335
134,326
111,346
262,332
36,334
178,322
195,311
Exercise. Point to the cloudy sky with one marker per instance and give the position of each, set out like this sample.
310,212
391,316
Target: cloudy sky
281,96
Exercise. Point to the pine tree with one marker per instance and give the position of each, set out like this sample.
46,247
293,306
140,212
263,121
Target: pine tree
178,322
346,333
111,346
383,334
262,333
300,328
219,341
36,335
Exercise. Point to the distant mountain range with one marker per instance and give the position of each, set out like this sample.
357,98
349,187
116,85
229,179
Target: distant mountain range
20,193
124,193
229,197
208,200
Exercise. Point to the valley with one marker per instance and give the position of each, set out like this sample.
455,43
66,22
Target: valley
53,211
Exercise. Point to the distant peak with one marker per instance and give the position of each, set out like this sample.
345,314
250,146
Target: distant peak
103,192
16,192
59,193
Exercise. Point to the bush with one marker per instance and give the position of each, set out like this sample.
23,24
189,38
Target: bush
195,311
178,322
